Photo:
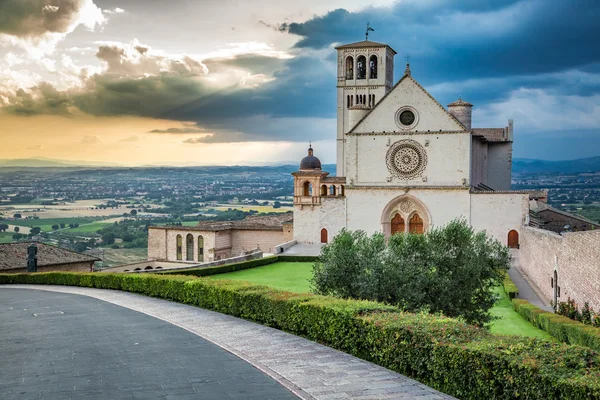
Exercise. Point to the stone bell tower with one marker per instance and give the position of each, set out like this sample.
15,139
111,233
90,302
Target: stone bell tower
365,75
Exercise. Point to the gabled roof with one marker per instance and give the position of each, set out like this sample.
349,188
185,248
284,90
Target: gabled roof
14,256
364,43
266,222
406,76
491,134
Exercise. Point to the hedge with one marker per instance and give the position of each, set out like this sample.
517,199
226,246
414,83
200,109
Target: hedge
444,353
222,269
509,287
558,326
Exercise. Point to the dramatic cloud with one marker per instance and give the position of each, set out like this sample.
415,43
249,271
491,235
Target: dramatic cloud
35,18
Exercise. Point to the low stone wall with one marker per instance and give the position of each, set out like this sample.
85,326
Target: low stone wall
280,248
575,256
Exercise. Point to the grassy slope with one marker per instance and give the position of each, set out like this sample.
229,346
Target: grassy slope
6,237
293,277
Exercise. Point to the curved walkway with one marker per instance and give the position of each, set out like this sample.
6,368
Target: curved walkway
65,346
306,368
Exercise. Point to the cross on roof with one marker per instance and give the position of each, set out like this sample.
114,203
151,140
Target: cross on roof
407,58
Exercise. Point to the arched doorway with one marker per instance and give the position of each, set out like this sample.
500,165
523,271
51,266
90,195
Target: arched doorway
397,224
513,239
415,224
323,235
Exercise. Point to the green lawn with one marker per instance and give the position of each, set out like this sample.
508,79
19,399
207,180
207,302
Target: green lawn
294,276
510,322
288,276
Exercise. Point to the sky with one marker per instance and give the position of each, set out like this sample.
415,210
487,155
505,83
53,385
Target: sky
229,82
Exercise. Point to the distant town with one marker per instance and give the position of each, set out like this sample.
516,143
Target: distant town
106,211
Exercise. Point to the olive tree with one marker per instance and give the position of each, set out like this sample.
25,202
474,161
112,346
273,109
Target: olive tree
452,270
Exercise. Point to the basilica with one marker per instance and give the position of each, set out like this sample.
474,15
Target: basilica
404,162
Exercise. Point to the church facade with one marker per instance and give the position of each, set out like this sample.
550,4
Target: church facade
404,162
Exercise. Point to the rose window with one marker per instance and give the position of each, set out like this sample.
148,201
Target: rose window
406,159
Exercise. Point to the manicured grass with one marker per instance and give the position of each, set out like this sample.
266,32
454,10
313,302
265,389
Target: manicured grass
294,277
288,276
510,322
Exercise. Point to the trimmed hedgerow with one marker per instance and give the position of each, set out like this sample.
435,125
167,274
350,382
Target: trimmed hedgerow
449,355
560,327
284,258
509,287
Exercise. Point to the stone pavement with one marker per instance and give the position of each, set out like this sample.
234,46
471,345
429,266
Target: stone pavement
526,288
306,368
65,346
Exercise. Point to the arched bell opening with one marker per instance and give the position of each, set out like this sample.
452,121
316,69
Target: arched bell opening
324,190
361,67
349,67
373,67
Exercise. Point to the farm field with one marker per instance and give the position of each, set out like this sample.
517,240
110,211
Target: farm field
294,277
76,209
46,223
89,228
6,237
244,207
114,257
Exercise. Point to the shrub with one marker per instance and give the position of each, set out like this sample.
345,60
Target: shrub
509,287
449,355
558,326
452,270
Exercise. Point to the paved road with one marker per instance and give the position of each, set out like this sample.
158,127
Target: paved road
308,369
66,346
524,285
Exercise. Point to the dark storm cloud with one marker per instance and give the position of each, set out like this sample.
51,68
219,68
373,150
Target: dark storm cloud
27,18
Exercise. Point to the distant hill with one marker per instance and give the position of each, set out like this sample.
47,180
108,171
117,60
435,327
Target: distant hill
51,163
526,165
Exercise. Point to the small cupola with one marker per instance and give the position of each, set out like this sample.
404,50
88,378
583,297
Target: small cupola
310,162
461,110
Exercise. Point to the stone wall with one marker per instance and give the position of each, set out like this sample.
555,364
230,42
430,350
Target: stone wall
85,266
246,240
575,256
499,165
309,220
499,213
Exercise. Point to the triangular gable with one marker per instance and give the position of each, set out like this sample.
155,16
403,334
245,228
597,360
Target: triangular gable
407,92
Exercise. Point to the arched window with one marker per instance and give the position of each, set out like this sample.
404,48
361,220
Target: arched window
373,67
137,269
323,235
179,247
189,247
200,249
361,67
349,68
307,189
332,190
415,224
324,190
397,224
148,267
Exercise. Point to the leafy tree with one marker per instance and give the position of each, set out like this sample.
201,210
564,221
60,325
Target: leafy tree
55,227
108,238
451,270
17,229
35,230
133,212
3,227
277,204
17,215
18,236
62,226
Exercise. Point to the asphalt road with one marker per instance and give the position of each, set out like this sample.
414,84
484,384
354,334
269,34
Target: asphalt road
65,346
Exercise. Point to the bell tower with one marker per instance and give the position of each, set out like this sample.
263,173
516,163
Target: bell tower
365,75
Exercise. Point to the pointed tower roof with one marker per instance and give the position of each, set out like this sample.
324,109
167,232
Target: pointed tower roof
364,43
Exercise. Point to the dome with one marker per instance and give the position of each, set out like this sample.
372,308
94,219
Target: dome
310,161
